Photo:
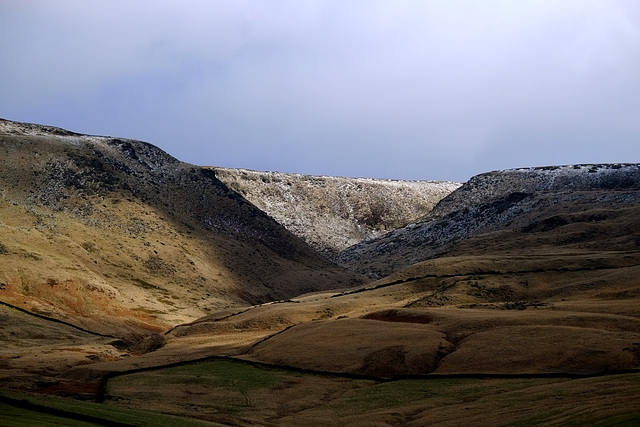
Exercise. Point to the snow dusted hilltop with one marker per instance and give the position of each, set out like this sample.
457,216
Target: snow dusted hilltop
333,213
533,200
492,185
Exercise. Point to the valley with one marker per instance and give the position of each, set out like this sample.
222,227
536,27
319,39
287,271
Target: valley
333,213
132,283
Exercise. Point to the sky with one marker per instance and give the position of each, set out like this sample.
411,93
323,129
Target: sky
400,89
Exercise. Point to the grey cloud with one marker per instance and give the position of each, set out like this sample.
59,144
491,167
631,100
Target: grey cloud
404,89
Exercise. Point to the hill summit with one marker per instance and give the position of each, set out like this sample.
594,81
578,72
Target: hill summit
580,198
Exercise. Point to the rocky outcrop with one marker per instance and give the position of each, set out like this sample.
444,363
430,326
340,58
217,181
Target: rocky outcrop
519,199
333,213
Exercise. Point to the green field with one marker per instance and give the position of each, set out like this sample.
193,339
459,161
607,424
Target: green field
12,416
45,411
218,389
226,392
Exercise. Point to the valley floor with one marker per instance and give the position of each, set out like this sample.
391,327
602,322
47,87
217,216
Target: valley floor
468,340
225,392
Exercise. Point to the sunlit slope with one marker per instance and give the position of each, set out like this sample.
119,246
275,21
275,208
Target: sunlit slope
116,235
544,315
537,282
536,277
332,213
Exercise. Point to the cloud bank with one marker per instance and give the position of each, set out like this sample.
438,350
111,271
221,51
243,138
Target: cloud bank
393,89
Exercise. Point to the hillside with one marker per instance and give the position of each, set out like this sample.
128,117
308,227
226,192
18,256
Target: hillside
517,272
592,205
523,279
150,288
333,213
116,235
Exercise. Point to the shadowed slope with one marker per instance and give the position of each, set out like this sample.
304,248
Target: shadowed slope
524,283
577,202
519,274
108,233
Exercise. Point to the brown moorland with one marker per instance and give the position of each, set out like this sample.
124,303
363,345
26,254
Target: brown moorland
118,238
519,305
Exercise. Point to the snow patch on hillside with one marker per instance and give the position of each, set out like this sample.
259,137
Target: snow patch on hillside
333,213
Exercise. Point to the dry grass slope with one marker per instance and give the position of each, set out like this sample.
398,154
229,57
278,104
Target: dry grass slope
118,237
528,274
95,226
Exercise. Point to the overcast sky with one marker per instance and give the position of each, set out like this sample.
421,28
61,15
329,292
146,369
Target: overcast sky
387,89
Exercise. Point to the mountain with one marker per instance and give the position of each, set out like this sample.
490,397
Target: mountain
529,271
333,213
592,206
152,288
117,236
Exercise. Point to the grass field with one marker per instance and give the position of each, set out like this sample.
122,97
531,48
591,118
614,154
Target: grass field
11,416
25,410
225,390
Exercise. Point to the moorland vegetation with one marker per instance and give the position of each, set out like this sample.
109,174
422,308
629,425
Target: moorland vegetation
136,289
